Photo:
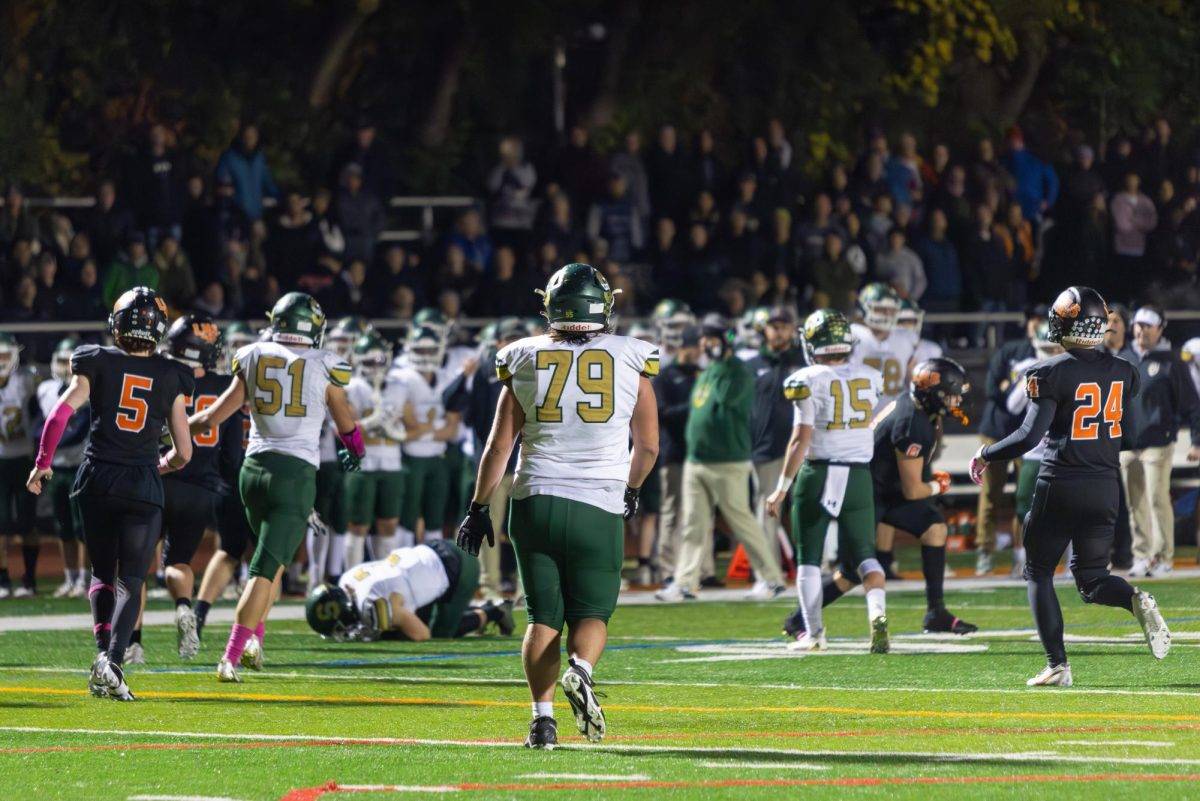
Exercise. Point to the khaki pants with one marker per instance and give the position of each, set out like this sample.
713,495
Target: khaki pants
767,476
489,556
724,486
990,496
1147,477
670,524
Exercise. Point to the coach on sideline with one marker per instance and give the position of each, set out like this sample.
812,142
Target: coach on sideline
1165,397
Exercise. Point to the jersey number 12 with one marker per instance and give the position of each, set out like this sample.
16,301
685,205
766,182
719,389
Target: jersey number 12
1084,425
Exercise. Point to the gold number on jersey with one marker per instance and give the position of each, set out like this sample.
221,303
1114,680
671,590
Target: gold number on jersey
13,427
598,381
558,362
269,405
893,374
854,388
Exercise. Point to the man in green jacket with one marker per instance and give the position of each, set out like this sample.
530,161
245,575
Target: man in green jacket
131,268
717,470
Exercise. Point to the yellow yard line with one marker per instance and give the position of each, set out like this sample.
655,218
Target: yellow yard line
653,708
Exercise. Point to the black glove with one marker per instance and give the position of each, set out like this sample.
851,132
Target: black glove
631,502
475,527
350,463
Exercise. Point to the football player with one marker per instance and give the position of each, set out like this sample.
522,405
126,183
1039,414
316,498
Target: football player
134,393
831,438
750,333
879,343
1077,402
429,427
906,434
670,318
290,383
411,594
66,460
237,335
575,396
193,494
912,318
374,494
344,333
18,408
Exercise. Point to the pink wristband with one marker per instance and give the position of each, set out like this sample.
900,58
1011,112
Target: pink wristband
354,442
52,432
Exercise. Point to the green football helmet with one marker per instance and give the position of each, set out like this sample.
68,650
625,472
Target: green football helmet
879,305
910,316
372,355
10,354
345,333
297,319
60,360
578,299
424,349
750,327
827,333
430,317
331,613
670,318
1042,343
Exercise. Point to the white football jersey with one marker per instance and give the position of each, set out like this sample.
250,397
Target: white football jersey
416,574
383,453
48,393
1190,354
891,357
578,399
926,350
425,398
837,401
286,387
15,395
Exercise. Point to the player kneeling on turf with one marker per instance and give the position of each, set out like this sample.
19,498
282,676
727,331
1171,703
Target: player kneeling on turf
414,594
832,437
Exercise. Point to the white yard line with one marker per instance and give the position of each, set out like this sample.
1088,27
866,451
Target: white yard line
1138,743
763,765
593,777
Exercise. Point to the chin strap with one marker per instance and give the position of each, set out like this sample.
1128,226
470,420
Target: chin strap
959,415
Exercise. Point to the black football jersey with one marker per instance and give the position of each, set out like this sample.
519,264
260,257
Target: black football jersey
214,450
131,399
905,428
1090,388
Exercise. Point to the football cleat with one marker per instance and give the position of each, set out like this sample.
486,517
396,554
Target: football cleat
185,627
252,654
1161,569
579,689
97,686
983,563
1158,636
24,591
5,591
793,624
114,681
807,642
227,672
940,621
1139,569
135,654
1052,676
80,590
63,590
543,733
1018,569
506,624
762,591
711,583
880,644
673,594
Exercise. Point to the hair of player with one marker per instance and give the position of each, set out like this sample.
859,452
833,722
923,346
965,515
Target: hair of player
135,345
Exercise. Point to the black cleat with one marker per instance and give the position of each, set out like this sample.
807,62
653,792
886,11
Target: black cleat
506,624
793,624
940,621
543,733
711,583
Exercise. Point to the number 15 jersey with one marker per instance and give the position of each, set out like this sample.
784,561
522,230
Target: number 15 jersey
1090,388
285,389
578,399
836,400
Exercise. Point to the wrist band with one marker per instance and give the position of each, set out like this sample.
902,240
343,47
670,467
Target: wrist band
784,483
935,488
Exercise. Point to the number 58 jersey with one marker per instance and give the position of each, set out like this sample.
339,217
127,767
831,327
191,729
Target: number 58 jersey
285,389
836,400
578,400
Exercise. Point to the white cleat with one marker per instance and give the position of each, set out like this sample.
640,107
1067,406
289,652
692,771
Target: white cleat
673,594
762,591
1052,676
185,628
80,590
114,680
807,642
580,692
97,686
1158,636
1018,569
1139,569
5,592
64,590
1161,569
135,654
252,654
227,672
24,592
983,563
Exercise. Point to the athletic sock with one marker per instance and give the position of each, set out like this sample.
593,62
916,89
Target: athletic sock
183,602
355,548
808,587
876,603
886,558
381,546
238,637
1047,614
202,608
582,664
5,581
830,592
30,554
336,556
102,599
260,631
543,709
933,565
643,561
405,537
135,637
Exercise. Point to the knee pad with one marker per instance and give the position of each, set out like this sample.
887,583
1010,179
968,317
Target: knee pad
866,566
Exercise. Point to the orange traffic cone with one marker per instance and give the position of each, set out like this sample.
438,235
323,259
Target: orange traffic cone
739,566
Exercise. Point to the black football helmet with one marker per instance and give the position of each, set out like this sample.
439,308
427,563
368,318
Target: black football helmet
138,319
195,340
935,381
1078,318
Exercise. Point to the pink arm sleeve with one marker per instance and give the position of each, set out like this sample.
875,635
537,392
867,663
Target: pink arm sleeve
52,432
354,442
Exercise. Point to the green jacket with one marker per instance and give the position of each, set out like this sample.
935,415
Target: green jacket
123,276
718,428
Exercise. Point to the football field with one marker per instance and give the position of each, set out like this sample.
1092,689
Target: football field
703,701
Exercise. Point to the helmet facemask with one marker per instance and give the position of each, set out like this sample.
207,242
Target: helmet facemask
425,354
60,365
372,365
10,359
341,342
881,315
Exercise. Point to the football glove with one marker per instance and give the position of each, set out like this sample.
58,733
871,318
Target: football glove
317,526
942,481
475,527
977,467
631,502
350,461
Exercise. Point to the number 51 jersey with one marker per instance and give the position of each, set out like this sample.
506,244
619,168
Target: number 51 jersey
1090,388
578,399
285,390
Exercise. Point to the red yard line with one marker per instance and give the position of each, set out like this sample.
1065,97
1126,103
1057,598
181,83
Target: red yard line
927,730
314,793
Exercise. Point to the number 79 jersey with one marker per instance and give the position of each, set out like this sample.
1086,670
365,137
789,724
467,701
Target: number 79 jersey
578,400
837,401
1090,389
285,389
